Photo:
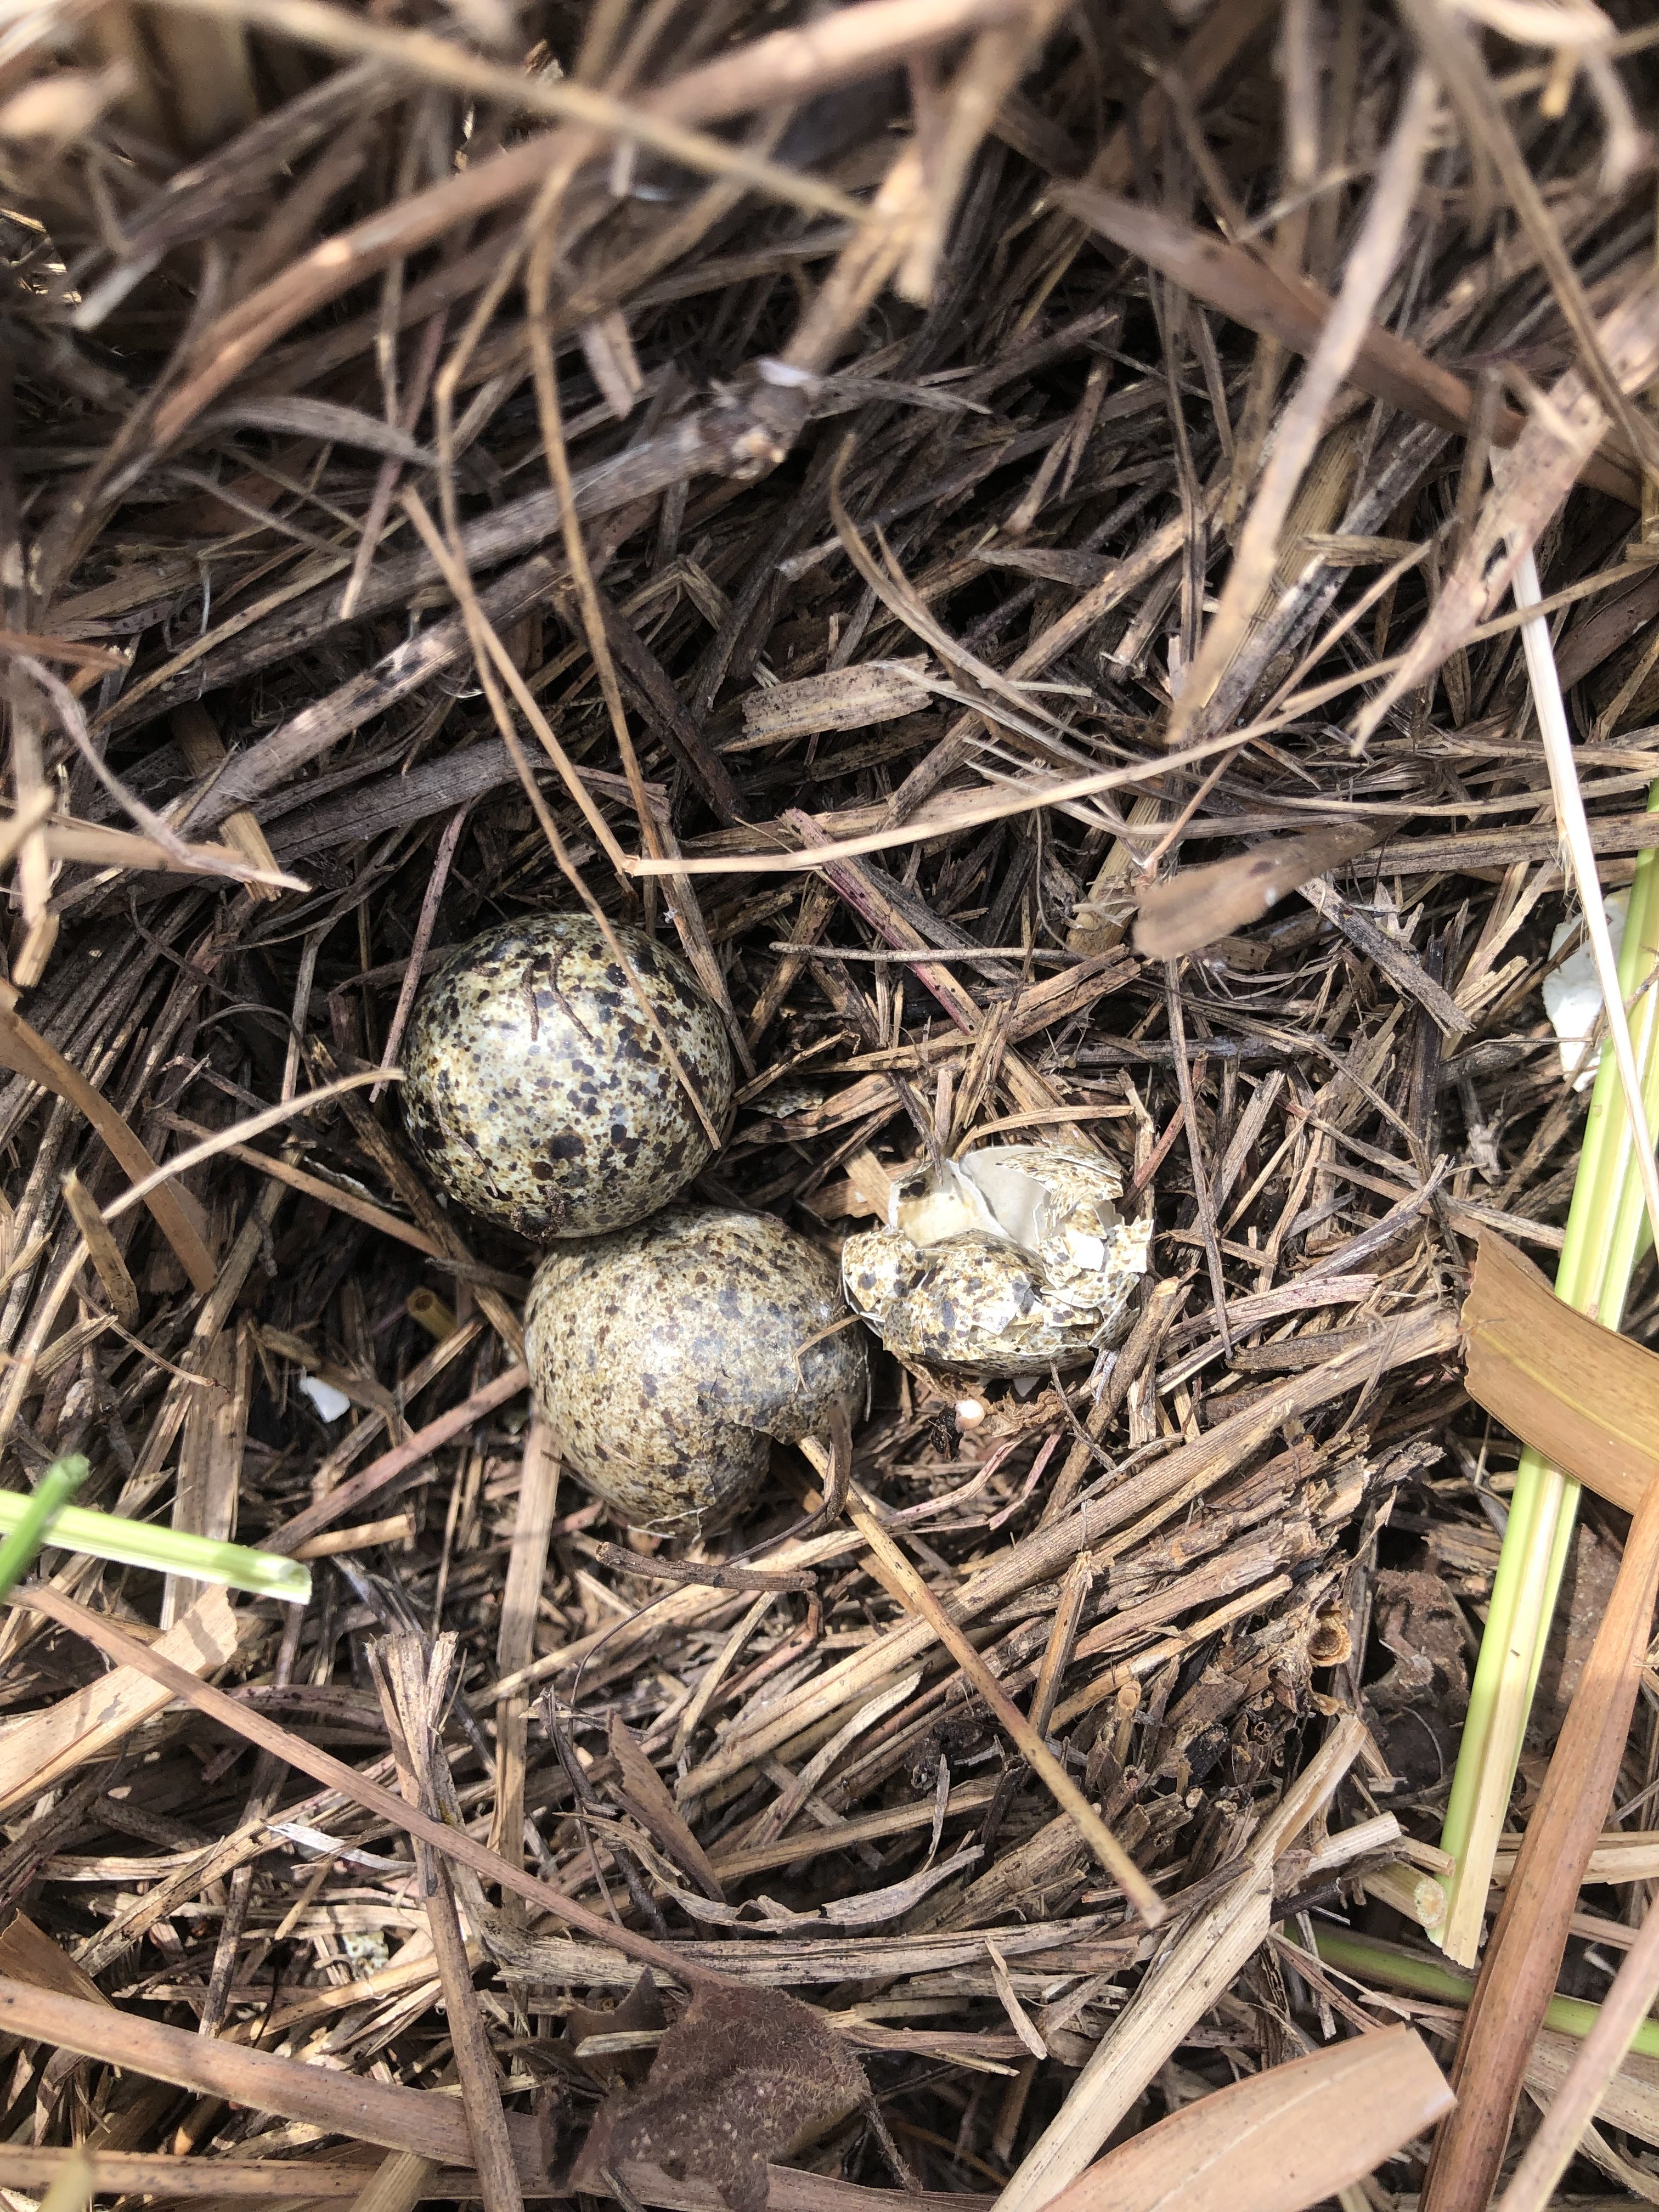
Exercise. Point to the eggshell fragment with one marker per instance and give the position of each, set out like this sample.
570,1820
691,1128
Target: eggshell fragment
667,1359
1010,1262
1573,994
539,1094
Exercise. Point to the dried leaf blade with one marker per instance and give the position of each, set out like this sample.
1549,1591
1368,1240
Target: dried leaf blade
1278,2141
1186,911
1581,1395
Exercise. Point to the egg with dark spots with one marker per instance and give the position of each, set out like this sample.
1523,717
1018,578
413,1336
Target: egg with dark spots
668,1357
540,1094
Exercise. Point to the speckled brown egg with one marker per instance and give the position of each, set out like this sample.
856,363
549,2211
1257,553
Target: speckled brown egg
667,1359
538,1093
1010,1262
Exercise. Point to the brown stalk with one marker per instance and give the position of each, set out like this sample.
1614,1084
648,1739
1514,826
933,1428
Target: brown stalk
1622,2011
1523,1953
414,1687
434,2127
1026,1739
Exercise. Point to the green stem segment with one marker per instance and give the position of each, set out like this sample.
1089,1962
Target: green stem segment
24,1518
40,1510
1372,1961
1604,1238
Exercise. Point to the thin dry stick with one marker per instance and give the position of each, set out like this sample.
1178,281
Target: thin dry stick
348,1496
482,633
32,792
990,70
714,1676
341,2103
1518,1976
538,299
251,2181
28,1053
343,1201
1202,1182
714,1573
1216,1944
1574,824
919,1600
111,1268
244,1721
417,952
239,1132
1062,1637
1623,2010
1370,265
1017,798
515,1634
413,1690
358,2188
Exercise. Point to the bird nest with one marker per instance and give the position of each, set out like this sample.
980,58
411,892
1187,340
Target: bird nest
989,530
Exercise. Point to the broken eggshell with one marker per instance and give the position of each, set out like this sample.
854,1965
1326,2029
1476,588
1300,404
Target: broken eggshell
1572,991
1008,1261
668,1357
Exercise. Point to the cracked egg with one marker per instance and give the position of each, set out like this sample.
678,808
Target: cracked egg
1008,1261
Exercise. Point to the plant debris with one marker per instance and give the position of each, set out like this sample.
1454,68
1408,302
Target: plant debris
742,2075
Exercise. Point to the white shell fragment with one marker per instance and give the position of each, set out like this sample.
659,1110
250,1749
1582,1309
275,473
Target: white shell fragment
1572,991
1010,1262
329,1402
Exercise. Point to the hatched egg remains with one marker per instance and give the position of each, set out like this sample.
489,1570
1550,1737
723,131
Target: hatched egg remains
540,1092
1008,1261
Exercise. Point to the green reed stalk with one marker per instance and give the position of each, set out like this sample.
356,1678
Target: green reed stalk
40,1510
1372,1961
1604,1238
24,1523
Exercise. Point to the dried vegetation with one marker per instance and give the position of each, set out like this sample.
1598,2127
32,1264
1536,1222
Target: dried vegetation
865,493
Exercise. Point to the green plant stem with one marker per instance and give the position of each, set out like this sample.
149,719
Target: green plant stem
1372,1961
166,1551
40,1510
1604,1240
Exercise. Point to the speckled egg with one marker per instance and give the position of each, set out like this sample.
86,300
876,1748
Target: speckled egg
668,1357
1009,1261
538,1092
